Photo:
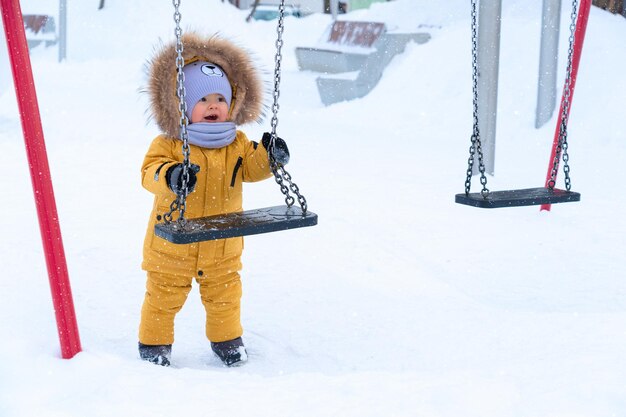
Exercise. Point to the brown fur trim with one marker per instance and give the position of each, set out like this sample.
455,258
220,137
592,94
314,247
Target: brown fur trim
236,63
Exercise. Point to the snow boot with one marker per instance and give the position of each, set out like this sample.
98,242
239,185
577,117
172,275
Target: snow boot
157,354
231,352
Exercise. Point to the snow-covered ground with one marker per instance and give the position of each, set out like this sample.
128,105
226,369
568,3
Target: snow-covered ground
400,302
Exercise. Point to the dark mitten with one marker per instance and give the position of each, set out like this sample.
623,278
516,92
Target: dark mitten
174,178
281,152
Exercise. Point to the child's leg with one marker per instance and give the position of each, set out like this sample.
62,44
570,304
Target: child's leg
221,297
165,296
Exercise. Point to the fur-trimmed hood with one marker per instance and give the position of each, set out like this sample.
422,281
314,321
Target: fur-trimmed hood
236,63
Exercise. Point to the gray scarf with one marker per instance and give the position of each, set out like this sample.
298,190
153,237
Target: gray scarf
211,135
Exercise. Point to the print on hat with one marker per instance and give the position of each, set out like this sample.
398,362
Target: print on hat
212,70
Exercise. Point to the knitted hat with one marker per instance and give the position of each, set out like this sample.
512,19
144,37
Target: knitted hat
202,78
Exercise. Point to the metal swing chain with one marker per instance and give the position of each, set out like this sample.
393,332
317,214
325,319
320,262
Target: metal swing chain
180,202
475,139
562,143
280,174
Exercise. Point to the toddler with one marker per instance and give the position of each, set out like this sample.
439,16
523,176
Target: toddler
223,89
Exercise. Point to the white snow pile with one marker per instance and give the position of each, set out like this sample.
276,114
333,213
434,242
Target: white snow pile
400,302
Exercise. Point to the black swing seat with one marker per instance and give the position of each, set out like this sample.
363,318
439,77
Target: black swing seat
250,222
516,198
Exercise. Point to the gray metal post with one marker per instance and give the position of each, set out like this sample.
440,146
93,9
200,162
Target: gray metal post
62,30
334,8
489,18
548,61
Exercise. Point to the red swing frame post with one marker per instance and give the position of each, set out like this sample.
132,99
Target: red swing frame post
40,178
579,37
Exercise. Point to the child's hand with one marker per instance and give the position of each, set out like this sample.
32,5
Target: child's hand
281,152
174,178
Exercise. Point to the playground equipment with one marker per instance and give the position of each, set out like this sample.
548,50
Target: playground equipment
264,220
547,195
40,176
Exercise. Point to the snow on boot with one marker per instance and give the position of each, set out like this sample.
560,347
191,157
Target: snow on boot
231,352
157,354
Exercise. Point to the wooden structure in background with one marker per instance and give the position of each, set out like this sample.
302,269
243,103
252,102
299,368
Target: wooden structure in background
613,6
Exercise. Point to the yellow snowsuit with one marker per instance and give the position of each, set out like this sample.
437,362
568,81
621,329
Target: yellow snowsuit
214,264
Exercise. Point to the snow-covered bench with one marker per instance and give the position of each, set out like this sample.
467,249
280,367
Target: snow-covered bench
40,28
353,55
344,47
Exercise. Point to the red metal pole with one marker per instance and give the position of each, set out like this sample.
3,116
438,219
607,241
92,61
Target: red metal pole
581,28
40,177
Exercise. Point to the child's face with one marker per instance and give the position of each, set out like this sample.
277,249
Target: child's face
211,108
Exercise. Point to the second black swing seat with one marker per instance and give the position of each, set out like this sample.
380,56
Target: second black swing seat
518,198
526,196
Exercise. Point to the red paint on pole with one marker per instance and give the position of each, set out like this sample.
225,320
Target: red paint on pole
40,178
581,28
